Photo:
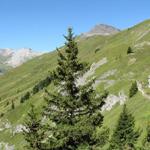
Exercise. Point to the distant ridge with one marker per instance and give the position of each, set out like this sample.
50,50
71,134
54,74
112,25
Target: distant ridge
15,58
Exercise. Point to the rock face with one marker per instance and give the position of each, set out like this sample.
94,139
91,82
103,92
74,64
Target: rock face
21,56
15,58
113,100
6,146
102,29
6,52
82,80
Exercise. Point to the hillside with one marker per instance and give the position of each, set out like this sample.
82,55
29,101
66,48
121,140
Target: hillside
114,69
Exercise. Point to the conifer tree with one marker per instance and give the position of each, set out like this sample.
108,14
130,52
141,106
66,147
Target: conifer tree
148,133
12,105
129,51
133,89
124,136
74,109
33,131
146,143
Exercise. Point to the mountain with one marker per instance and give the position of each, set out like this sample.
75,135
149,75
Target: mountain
14,58
20,56
113,68
6,52
102,29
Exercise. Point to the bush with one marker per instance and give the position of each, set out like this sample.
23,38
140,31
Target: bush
25,97
97,49
35,89
42,84
133,89
1,115
7,103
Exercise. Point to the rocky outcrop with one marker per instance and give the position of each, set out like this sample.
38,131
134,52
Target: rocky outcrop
113,100
82,80
6,146
149,81
7,52
6,125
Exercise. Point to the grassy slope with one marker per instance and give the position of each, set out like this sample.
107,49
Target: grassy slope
17,81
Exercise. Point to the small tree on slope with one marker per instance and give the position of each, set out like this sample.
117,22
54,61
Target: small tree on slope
74,109
32,132
146,143
129,51
133,89
124,136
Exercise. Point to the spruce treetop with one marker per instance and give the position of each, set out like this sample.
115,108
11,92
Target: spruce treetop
75,109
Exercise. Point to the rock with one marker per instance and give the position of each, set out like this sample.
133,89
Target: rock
82,80
6,146
149,81
14,130
7,52
18,129
112,100
5,125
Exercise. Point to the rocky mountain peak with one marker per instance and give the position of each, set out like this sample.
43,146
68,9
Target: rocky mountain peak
6,52
102,29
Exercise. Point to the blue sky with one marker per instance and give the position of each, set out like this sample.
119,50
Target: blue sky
40,24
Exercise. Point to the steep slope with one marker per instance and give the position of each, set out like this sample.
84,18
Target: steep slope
113,68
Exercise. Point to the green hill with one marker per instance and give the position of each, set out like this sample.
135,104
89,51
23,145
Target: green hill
114,69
